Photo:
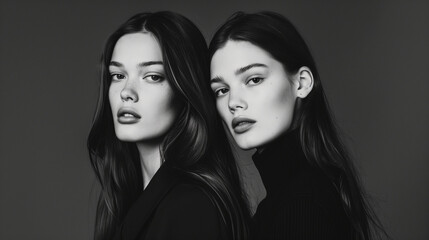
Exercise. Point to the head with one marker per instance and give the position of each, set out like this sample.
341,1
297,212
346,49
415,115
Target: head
153,89
263,76
142,100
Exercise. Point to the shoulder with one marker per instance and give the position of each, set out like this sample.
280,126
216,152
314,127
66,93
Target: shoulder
307,208
312,184
185,196
311,193
311,206
184,192
303,217
187,212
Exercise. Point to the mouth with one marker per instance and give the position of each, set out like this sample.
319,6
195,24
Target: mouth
241,124
127,116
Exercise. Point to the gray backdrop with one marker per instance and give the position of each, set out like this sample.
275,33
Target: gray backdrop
373,58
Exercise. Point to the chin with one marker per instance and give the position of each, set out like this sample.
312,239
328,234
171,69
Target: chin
127,138
246,148
245,144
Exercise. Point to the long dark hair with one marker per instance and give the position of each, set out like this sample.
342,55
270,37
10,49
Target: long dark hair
195,144
318,133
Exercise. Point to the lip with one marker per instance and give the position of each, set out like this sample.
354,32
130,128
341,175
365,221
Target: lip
127,116
242,124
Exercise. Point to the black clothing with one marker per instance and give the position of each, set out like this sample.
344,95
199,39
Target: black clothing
172,207
301,202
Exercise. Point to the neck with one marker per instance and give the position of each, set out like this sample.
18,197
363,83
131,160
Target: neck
150,160
280,160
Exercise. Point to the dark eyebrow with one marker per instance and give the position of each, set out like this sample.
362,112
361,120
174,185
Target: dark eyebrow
115,64
245,68
143,64
216,80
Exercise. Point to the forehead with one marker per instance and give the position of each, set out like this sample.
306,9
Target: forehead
137,47
236,54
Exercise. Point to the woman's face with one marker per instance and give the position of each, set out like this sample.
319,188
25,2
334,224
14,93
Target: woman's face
254,95
140,96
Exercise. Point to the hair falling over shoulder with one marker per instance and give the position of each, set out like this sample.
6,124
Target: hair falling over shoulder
196,144
318,133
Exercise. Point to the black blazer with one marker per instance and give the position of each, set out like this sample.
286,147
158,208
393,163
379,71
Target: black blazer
172,207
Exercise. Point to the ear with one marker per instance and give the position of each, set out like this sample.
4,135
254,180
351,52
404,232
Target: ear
305,82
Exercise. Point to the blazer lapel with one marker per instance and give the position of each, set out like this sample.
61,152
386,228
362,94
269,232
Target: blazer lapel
140,212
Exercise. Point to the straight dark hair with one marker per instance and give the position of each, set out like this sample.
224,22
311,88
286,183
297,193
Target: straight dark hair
318,133
196,144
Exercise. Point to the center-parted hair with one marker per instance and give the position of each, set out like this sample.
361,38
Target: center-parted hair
319,136
196,143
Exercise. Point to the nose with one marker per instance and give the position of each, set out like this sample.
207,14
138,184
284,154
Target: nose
129,93
236,101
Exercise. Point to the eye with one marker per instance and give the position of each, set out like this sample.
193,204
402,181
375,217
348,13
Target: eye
221,91
116,77
254,81
154,78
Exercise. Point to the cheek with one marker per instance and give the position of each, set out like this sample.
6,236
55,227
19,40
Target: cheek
222,109
167,104
285,102
279,107
283,96
173,109
112,97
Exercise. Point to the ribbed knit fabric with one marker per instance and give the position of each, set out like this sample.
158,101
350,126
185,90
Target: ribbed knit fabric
301,203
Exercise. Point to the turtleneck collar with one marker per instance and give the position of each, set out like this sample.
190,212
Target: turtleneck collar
280,160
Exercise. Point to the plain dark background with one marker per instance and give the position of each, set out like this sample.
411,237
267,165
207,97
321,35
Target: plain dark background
373,57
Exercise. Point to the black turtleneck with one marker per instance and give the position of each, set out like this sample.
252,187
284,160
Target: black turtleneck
301,202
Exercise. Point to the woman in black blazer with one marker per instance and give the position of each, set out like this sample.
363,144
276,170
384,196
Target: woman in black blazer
156,145
270,96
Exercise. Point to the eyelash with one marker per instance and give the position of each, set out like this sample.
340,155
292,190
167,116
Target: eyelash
219,90
119,77
252,81
160,78
116,75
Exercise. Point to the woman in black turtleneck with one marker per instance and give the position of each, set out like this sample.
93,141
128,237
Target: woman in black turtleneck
269,94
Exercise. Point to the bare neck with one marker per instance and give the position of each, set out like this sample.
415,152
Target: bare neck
150,160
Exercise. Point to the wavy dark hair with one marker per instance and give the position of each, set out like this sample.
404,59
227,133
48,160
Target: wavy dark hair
318,133
195,145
